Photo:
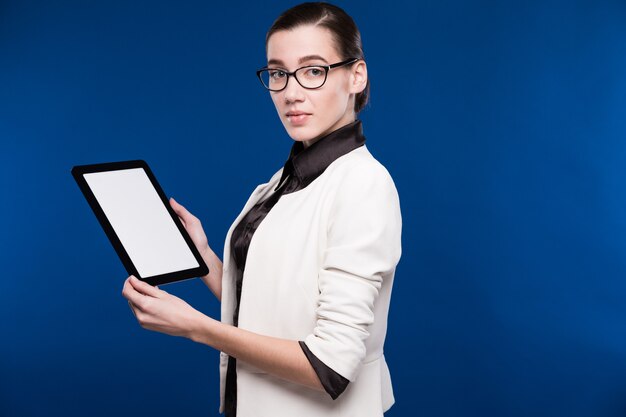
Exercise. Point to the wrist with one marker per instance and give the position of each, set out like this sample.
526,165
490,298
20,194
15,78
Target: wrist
204,253
211,260
201,329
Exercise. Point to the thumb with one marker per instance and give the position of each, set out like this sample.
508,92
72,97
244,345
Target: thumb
176,205
180,210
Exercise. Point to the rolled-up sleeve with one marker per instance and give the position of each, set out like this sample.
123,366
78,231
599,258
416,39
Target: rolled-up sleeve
363,246
333,383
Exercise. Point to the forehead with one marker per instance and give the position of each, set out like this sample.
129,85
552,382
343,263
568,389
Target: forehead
289,46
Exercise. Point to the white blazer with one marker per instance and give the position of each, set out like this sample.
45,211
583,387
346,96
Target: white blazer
320,268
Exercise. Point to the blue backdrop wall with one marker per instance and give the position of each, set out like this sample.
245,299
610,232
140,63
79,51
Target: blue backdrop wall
502,123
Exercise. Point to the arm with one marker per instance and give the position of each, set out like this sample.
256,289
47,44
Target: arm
213,279
279,357
364,243
362,249
158,310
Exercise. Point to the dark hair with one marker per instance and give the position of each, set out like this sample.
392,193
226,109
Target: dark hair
343,29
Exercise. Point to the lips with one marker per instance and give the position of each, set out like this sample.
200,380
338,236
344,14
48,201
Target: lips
296,117
296,113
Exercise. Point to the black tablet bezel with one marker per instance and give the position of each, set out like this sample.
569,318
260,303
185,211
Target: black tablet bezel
78,173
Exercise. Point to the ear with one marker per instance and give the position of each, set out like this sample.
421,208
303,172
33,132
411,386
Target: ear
358,81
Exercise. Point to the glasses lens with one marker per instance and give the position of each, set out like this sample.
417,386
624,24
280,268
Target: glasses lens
311,77
273,79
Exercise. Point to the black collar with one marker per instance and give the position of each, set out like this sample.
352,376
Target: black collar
306,164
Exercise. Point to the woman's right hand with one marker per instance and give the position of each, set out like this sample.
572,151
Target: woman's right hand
193,226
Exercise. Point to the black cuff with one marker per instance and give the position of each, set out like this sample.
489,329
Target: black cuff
333,383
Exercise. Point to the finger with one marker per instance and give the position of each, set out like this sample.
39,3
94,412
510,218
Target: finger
132,308
132,295
178,211
144,288
182,211
176,205
127,288
139,315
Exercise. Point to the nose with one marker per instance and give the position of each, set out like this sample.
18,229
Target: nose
294,91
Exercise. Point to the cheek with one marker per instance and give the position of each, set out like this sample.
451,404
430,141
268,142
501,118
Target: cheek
332,99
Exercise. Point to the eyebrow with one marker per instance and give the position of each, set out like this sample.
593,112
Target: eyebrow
300,61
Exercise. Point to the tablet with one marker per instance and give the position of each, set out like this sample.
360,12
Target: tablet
146,233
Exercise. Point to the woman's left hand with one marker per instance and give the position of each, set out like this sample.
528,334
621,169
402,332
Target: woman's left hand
158,310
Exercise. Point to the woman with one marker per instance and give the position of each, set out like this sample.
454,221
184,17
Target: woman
309,262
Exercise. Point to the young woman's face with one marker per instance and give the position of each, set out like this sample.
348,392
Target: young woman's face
322,110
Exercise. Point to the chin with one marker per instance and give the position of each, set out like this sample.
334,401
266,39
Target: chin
300,134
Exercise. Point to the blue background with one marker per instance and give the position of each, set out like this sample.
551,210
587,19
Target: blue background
502,123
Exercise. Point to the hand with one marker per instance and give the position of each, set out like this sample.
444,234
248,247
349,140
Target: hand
192,224
160,311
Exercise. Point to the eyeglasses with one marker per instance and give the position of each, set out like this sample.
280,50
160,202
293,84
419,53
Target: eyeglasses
309,77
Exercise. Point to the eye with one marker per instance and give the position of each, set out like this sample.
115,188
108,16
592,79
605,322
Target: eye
315,72
277,74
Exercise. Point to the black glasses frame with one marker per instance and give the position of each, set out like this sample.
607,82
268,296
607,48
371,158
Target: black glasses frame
293,74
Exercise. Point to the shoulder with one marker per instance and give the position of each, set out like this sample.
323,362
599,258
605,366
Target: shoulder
362,192
360,169
364,216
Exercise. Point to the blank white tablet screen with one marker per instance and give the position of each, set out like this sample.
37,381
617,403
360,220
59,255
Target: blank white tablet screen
141,221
